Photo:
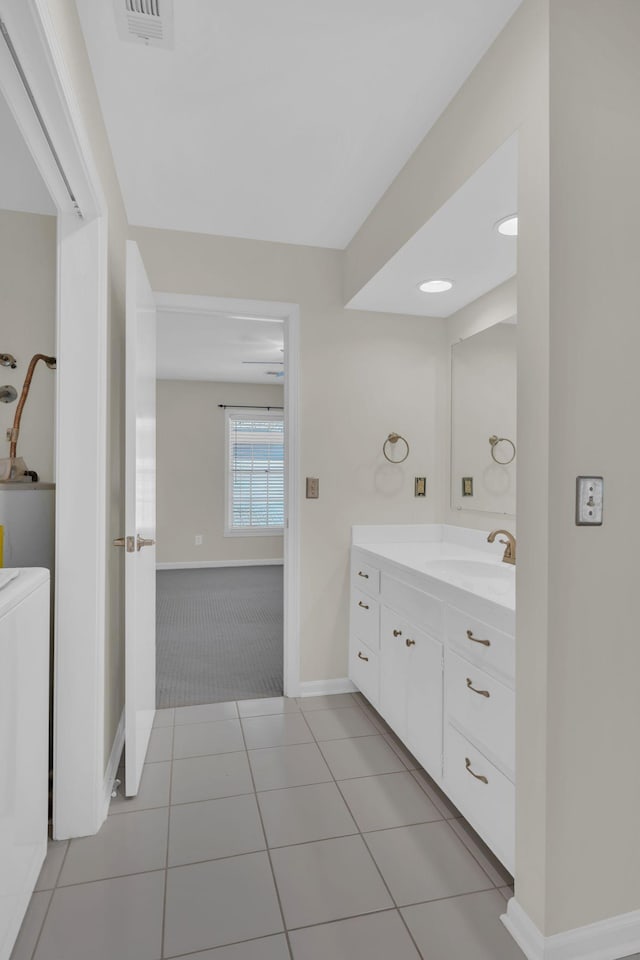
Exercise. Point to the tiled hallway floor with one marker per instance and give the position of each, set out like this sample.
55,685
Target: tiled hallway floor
271,830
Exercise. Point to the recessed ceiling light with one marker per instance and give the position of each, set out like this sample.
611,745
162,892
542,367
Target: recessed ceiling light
508,226
435,286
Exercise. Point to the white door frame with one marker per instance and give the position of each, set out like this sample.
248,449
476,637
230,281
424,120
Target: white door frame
289,314
80,583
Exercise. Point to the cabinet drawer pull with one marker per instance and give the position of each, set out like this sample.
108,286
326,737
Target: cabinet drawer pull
397,633
361,656
361,574
485,643
365,606
478,776
410,643
482,693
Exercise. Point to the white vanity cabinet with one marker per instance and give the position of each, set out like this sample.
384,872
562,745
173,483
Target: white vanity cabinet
438,663
411,662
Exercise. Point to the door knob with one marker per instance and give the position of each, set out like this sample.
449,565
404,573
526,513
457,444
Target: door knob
143,542
127,542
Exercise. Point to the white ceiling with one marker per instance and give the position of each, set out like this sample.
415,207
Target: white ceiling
21,186
284,120
459,243
194,346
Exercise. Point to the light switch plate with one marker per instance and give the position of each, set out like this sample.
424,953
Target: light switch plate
313,488
589,496
420,487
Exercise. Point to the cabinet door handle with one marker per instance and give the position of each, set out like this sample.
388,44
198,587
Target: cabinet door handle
361,574
397,633
478,776
361,656
410,643
482,693
485,643
365,606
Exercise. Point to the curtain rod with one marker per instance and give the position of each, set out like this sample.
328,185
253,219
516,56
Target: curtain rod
246,406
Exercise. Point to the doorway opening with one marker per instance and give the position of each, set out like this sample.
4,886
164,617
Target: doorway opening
226,460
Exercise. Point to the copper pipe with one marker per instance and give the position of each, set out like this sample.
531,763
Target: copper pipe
51,363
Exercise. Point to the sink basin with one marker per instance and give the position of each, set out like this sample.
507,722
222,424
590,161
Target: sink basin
454,568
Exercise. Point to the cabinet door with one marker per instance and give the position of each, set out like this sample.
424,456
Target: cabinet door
393,670
424,702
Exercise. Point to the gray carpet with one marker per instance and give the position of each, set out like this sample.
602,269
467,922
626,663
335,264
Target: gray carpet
219,635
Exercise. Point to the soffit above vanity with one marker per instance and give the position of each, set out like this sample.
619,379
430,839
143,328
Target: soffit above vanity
459,242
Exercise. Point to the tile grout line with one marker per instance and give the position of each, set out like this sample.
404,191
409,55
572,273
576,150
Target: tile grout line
371,857
266,844
445,818
166,861
255,793
442,819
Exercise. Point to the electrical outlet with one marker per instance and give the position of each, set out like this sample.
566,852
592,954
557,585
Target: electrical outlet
198,539
313,488
589,495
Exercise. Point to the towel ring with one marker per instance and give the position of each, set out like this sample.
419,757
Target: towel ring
393,439
494,441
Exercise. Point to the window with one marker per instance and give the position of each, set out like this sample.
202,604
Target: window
255,473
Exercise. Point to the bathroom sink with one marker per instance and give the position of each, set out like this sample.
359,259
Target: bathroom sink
453,567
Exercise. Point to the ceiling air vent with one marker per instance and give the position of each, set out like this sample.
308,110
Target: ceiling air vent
146,21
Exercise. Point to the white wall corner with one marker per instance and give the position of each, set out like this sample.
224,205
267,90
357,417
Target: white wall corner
318,688
612,939
112,766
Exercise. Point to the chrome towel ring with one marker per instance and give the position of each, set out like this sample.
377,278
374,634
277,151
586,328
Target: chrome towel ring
389,447
494,441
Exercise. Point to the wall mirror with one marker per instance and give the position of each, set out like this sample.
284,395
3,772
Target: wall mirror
483,420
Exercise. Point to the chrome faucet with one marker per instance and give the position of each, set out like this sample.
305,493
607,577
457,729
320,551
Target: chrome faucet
509,555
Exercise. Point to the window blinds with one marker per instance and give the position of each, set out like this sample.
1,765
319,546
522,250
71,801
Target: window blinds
256,468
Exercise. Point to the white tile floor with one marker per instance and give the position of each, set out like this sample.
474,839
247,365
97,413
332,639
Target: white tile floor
274,830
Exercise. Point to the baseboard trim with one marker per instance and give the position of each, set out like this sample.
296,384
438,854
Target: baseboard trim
318,688
202,564
611,939
112,766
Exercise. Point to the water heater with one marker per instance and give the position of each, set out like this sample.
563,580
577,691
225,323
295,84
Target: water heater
27,515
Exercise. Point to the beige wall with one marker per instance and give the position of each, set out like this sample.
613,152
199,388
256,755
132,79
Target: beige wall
28,255
593,707
191,471
67,25
362,375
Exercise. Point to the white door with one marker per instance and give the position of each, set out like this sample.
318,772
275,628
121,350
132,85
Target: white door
140,518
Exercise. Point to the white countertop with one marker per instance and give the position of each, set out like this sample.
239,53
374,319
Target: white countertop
457,556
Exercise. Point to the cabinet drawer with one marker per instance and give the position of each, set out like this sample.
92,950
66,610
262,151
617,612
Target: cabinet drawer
365,577
420,608
488,803
364,670
483,707
485,646
365,619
